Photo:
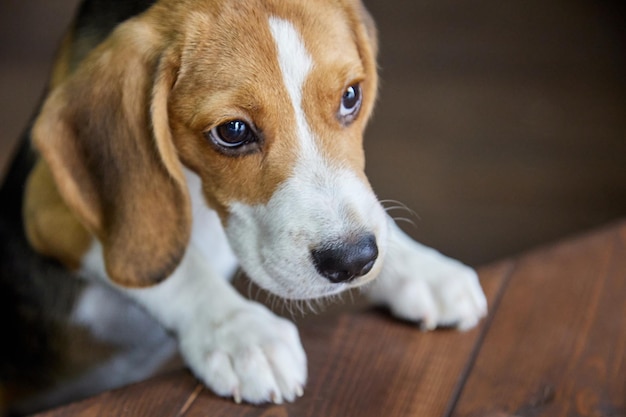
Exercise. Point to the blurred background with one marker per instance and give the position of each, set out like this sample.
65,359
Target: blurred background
501,124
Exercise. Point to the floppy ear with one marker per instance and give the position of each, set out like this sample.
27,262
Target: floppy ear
105,135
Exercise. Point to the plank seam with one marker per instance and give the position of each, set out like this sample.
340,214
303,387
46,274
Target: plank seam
190,400
458,390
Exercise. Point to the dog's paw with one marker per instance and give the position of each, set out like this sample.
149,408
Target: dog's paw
447,297
251,355
420,285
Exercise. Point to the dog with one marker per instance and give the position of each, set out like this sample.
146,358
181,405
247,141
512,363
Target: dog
180,139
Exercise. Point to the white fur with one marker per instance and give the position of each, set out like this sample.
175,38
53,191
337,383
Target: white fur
238,347
273,241
319,203
295,64
419,284
207,233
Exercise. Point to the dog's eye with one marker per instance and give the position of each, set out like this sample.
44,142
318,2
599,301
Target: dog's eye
350,103
233,134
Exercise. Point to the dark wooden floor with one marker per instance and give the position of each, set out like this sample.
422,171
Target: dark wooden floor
502,124
554,345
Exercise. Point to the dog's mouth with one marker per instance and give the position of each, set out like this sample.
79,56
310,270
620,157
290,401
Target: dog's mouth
292,269
318,235
313,285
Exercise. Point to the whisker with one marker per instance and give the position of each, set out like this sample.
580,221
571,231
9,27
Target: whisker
271,300
301,307
390,205
404,220
351,293
294,306
249,292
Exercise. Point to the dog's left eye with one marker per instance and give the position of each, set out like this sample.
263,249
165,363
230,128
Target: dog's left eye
233,134
350,103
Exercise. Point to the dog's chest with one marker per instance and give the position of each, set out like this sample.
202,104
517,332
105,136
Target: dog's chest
207,233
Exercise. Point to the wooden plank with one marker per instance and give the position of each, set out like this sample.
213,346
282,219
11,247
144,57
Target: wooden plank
361,363
367,364
165,395
557,346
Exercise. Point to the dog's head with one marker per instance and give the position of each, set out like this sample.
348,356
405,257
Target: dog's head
265,101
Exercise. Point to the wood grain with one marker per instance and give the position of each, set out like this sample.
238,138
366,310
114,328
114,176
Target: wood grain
553,345
164,395
361,363
557,346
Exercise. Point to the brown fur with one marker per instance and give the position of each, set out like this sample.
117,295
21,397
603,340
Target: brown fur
95,133
61,69
48,220
116,132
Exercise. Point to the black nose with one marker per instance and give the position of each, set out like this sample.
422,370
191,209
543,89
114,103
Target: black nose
346,261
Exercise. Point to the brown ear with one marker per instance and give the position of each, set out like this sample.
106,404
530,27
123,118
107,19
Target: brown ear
105,136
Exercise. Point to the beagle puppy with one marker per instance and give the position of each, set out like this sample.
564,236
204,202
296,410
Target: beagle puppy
182,138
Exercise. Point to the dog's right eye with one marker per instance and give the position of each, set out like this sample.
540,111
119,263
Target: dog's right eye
231,135
350,104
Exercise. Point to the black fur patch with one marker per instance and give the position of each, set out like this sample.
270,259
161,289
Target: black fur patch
101,16
37,294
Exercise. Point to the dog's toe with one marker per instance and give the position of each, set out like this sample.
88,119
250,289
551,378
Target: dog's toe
255,357
448,295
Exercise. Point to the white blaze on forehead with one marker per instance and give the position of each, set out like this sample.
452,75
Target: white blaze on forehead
319,203
295,65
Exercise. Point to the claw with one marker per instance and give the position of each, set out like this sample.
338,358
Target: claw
427,324
237,395
299,391
276,398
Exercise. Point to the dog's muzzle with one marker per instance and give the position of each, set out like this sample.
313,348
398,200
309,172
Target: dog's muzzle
346,260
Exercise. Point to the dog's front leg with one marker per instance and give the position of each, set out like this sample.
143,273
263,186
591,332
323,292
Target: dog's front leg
235,346
419,284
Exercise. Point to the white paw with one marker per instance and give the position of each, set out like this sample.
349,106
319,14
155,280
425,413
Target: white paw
421,285
251,355
446,298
